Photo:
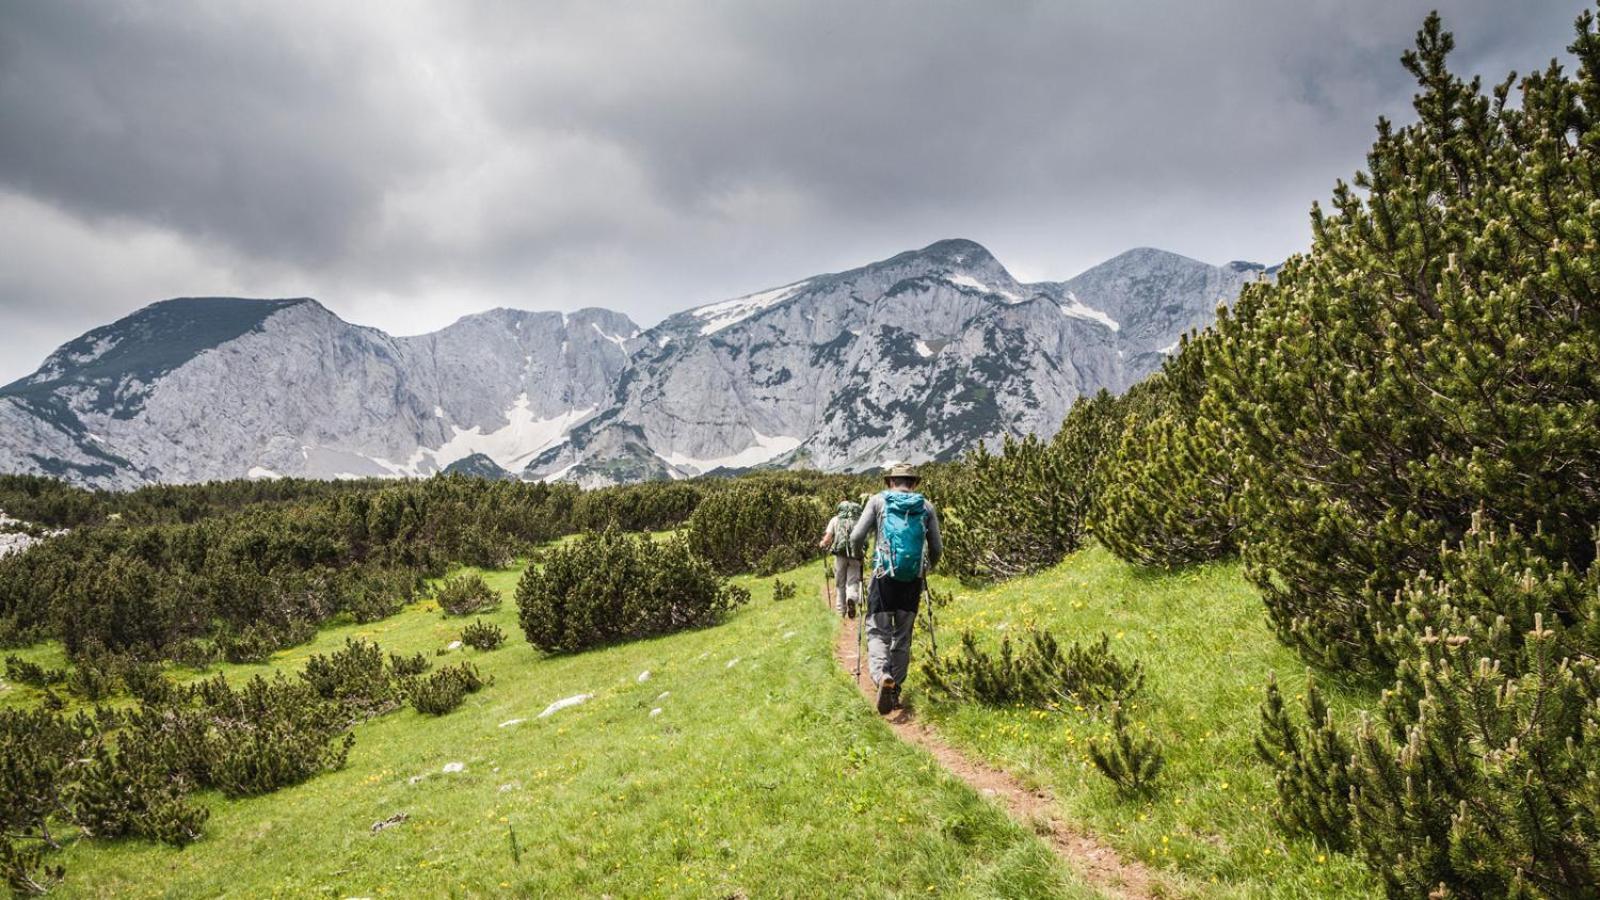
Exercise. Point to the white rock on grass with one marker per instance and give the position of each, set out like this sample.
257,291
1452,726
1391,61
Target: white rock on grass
732,662
663,695
656,711
563,703
643,676
789,634
510,722
453,767
454,645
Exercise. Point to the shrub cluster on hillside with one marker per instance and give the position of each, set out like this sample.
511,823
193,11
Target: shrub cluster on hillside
612,586
764,527
1416,412
1168,482
463,595
1041,674
1026,508
132,773
246,582
653,506
237,570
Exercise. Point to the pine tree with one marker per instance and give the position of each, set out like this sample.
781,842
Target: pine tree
1432,353
1169,479
1027,507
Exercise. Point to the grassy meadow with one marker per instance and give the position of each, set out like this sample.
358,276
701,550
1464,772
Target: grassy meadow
1207,648
763,775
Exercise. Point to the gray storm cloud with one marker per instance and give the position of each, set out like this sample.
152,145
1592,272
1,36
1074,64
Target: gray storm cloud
408,163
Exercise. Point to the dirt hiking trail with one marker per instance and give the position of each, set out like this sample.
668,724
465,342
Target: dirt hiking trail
1094,861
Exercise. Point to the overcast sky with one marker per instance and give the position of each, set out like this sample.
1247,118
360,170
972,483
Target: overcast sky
408,163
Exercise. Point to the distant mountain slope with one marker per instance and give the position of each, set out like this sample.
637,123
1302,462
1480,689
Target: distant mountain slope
266,388
918,356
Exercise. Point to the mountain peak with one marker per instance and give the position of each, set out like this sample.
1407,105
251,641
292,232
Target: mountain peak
154,340
950,251
1146,256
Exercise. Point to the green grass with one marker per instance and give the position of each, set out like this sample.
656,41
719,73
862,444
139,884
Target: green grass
764,777
1207,648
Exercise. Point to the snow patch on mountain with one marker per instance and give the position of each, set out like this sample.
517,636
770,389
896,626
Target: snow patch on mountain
765,449
1075,308
718,316
962,279
620,341
511,446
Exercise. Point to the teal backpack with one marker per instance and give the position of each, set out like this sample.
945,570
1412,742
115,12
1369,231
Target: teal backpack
901,536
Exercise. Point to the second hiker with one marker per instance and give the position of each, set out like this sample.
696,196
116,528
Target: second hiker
846,556
907,546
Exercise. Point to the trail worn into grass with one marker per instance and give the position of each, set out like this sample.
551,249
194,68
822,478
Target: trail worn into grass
1096,862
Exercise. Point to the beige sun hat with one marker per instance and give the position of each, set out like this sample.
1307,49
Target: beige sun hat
901,470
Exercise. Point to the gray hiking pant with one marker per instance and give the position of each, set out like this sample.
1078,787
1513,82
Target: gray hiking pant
889,644
846,581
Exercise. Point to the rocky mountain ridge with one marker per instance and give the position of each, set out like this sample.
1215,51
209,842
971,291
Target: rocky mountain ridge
918,356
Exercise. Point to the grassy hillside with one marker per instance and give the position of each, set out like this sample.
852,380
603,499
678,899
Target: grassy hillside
1207,649
762,775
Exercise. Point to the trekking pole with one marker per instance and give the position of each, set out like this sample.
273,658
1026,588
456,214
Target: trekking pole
933,633
861,629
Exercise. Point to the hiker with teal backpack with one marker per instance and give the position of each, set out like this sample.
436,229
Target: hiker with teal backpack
846,557
907,546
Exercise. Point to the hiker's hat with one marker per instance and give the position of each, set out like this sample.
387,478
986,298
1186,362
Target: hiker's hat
901,470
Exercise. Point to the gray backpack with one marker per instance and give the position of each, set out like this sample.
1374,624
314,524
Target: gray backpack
843,524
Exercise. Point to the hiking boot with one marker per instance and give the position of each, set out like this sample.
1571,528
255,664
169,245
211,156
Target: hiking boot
895,700
888,695
850,610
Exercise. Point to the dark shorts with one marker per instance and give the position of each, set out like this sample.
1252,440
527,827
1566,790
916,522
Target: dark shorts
888,595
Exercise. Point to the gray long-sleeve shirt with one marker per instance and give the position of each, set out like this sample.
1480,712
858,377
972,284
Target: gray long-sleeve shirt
871,522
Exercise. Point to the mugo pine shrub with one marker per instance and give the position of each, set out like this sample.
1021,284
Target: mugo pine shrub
464,595
1415,408
443,691
1479,772
1042,675
1027,507
1167,482
756,527
1130,759
357,678
614,586
30,673
1434,353
481,635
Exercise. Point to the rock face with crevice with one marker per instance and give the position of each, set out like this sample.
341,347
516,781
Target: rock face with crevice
919,356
